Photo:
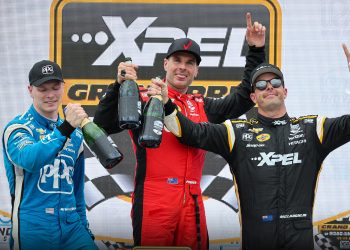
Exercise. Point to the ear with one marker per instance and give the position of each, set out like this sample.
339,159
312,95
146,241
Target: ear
196,72
285,93
30,90
253,97
165,64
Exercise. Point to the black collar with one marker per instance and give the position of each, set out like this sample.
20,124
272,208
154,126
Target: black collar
274,122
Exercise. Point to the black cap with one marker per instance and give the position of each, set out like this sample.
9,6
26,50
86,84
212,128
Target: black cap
185,45
44,71
265,68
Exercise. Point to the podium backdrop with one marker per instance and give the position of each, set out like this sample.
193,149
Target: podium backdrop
88,38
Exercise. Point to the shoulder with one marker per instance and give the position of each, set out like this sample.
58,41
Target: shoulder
24,121
307,119
239,123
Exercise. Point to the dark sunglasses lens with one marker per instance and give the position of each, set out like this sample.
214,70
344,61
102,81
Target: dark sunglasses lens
276,83
261,85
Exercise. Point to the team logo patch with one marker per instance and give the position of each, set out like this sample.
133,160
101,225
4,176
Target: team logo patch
263,137
256,130
247,137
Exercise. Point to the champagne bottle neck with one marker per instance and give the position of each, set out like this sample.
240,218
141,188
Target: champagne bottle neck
159,97
84,122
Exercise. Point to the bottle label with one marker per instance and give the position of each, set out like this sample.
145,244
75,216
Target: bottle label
158,127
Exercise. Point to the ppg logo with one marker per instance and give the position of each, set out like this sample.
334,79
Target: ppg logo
47,70
54,179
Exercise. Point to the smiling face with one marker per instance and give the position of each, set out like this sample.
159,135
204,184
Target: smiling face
47,98
181,68
270,100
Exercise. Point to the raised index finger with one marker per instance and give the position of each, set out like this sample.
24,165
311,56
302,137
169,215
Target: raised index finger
248,18
346,51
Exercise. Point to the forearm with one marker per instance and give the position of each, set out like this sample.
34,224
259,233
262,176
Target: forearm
106,115
211,137
238,101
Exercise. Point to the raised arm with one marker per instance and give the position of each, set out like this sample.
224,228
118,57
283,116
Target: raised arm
347,54
26,152
239,102
333,132
106,115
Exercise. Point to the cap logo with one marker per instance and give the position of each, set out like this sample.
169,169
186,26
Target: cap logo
47,70
186,46
261,67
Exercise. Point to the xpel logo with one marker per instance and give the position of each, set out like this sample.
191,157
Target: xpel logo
90,47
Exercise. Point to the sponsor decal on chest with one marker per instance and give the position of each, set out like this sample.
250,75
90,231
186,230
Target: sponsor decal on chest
296,135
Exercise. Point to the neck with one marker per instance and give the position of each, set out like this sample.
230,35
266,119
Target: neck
51,116
182,91
273,113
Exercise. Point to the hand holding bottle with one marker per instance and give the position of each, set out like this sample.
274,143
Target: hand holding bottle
158,87
74,114
129,103
104,149
153,119
127,71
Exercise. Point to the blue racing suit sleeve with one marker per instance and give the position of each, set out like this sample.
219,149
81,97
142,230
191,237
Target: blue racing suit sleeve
24,151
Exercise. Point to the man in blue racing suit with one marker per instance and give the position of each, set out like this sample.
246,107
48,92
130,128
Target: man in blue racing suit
44,162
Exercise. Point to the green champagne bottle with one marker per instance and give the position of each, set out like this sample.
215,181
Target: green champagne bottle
129,107
101,145
153,123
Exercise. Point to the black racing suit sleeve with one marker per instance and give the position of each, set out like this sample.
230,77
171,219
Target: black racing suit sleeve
106,115
336,132
238,101
204,135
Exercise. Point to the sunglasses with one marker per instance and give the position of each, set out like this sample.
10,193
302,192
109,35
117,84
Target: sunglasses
262,85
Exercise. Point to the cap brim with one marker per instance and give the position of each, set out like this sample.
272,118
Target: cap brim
46,79
198,58
266,70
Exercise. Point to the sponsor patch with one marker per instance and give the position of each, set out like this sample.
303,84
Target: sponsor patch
263,137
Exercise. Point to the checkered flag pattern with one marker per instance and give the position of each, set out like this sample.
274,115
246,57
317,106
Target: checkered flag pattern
112,245
324,243
100,185
220,187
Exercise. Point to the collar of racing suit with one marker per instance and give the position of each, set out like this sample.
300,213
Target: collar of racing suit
274,121
45,122
180,96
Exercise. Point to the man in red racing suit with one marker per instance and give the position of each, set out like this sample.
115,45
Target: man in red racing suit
167,206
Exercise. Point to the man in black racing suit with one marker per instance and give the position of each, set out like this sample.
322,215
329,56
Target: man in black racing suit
275,159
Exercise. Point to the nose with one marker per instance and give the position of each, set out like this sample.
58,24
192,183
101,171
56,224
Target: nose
269,86
182,65
50,94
